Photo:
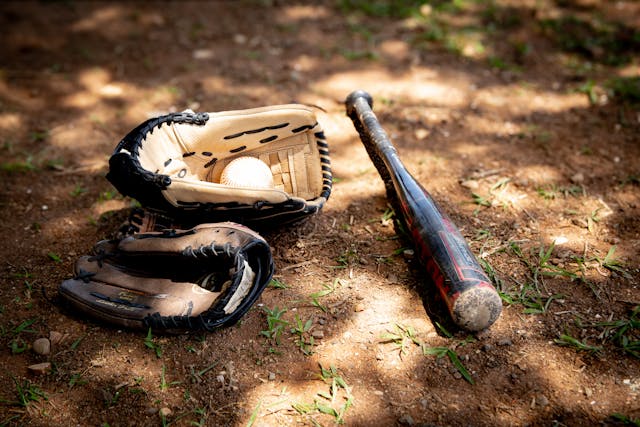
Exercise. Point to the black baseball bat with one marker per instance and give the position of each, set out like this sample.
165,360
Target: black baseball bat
473,302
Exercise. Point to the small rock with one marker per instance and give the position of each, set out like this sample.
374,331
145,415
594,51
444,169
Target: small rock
40,368
457,375
470,184
421,133
408,254
577,178
42,346
505,342
272,376
240,38
151,410
165,412
359,307
542,400
55,337
318,334
202,54
406,420
487,347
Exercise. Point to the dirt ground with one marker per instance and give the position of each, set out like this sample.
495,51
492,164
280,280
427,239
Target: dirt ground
522,119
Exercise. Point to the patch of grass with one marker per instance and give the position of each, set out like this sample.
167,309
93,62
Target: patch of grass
531,298
626,89
554,191
625,420
303,340
39,135
18,345
326,290
277,284
382,8
590,89
150,343
354,55
613,264
403,336
453,357
164,385
25,392
346,258
275,324
568,340
254,414
633,179
54,257
196,376
76,379
108,195
624,333
481,200
78,191
18,166
334,403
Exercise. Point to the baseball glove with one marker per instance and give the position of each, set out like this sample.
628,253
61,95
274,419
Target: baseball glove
173,281
173,164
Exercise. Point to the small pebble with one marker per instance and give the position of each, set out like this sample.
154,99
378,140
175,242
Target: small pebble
408,254
470,184
318,334
359,307
505,343
42,346
406,420
542,400
55,337
165,412
40,368
577,178
272,376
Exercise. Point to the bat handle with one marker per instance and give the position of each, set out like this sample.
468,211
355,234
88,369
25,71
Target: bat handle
359,106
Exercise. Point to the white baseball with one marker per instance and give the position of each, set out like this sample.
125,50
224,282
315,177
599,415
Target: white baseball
249,172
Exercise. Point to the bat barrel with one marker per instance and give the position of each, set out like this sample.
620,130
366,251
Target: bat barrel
472,301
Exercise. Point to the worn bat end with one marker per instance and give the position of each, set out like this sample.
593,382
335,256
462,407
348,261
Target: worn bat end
350,102
477,308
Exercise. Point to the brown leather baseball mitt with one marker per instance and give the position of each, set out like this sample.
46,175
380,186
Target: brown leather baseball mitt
175,164
175,280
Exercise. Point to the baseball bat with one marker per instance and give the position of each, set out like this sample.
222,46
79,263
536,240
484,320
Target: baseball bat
473,302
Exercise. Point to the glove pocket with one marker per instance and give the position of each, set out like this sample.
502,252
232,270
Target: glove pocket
295,163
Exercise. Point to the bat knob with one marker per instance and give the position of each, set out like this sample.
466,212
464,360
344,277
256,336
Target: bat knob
350,102
477,308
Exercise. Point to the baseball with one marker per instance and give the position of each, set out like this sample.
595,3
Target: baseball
248,172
